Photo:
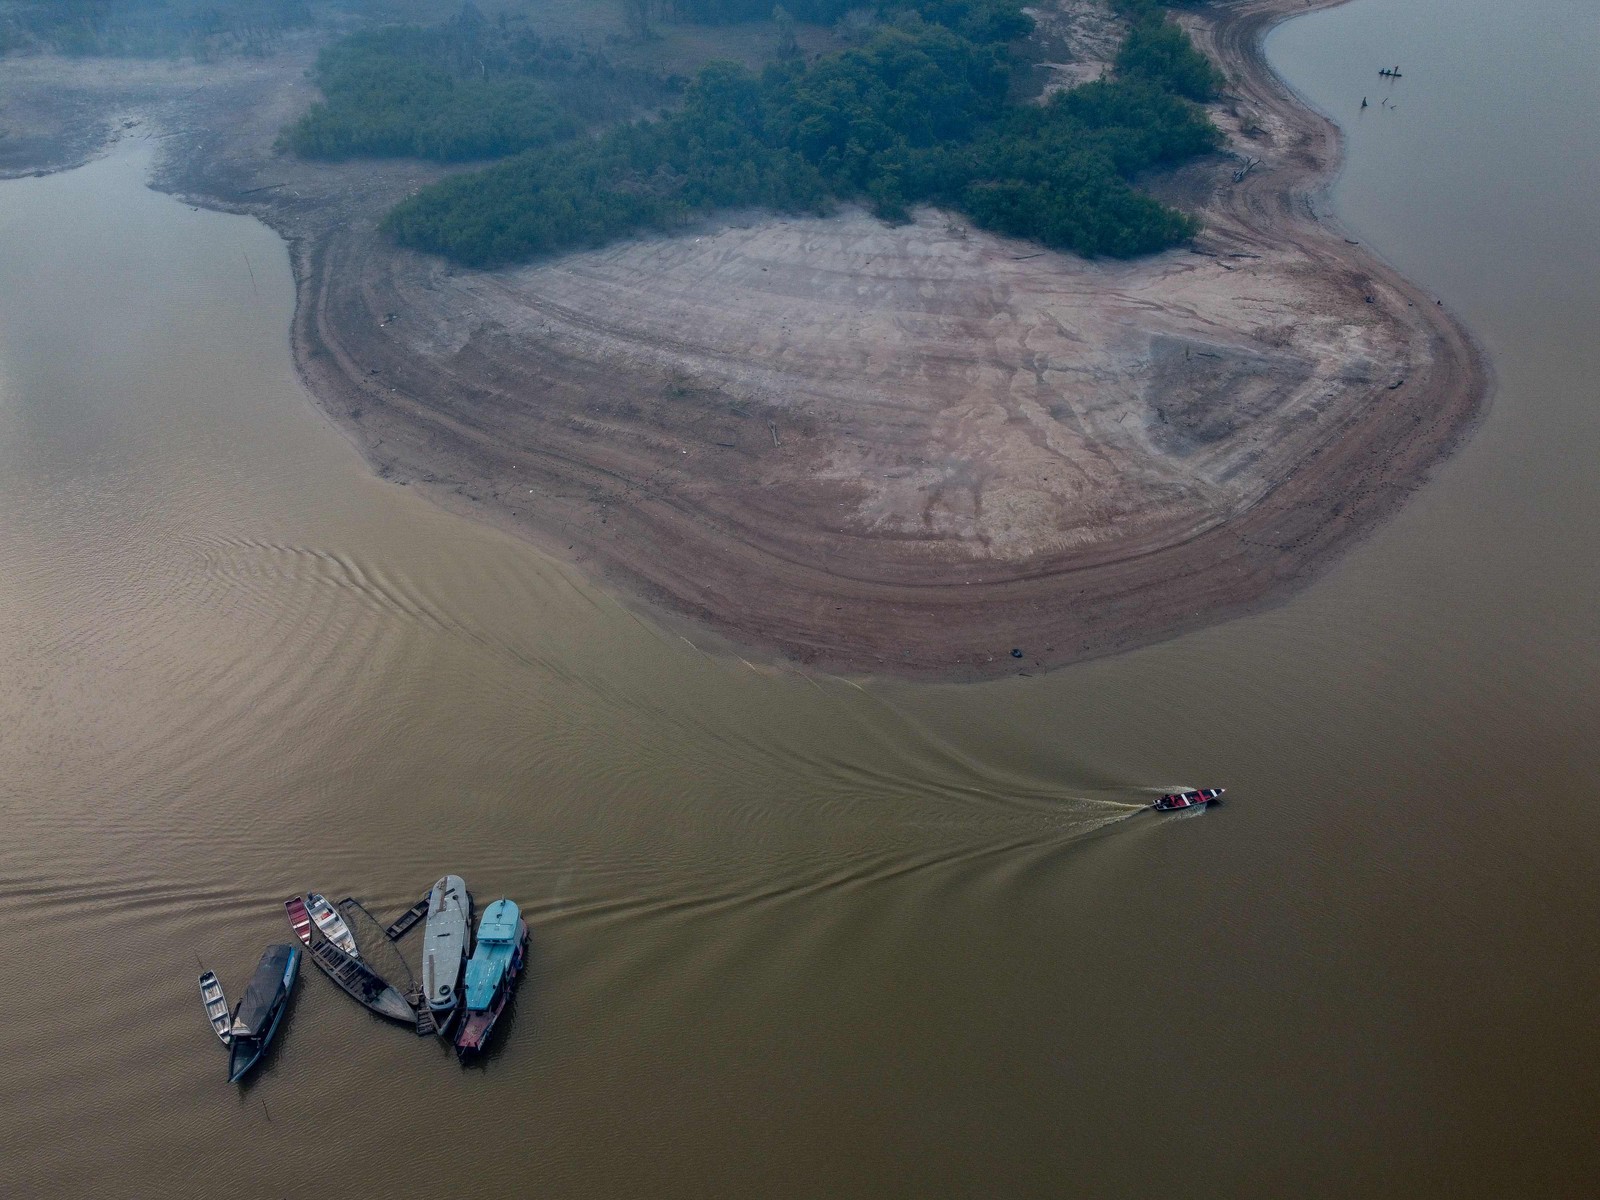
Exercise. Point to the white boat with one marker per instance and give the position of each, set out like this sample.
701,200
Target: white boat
444,947
332,924
216,1005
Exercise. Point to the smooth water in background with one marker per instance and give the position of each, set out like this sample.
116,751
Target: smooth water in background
796,937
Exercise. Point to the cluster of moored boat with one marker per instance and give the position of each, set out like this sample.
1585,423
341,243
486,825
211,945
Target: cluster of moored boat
464,990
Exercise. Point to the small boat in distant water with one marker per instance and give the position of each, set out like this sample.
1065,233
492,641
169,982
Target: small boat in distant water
444,948
299,918
491,973
257,1017
332,924
216,1004
1177,801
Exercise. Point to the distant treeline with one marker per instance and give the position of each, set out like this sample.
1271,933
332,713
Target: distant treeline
918,114
148,28
430,93
984,20
467,88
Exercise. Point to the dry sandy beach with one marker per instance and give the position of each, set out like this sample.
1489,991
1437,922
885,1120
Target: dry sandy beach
906,450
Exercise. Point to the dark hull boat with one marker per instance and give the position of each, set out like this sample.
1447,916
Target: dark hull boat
1178,801
257,1017
491,974
362,983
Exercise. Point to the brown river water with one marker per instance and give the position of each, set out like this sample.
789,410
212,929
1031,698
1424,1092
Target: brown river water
798,936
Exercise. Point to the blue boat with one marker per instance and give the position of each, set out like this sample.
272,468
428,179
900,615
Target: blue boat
491,973
256,1019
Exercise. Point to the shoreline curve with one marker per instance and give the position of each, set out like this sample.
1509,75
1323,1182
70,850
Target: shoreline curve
729,484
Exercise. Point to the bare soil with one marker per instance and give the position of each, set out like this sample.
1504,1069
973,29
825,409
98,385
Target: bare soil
905,450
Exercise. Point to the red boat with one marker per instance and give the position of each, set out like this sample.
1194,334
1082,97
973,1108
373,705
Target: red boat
1177,801
299,917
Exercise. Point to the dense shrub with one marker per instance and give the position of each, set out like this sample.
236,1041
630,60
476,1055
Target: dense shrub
917,114
1159,50
980,20
461,90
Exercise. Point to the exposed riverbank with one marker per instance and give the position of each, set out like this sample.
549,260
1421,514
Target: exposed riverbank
904,450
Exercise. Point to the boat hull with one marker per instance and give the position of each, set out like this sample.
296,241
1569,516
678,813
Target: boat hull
1183,801
478,1024
362,983
445,942
444,1021
216,1006
247,1045
299,918
331,924
245,1053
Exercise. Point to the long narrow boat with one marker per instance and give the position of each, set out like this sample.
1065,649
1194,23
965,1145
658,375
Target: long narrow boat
257,1017
299,918
362,983
444,948
332,924
1178,801
407,921
216,1005
492,973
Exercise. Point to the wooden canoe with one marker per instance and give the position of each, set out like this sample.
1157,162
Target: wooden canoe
299,917
216,1005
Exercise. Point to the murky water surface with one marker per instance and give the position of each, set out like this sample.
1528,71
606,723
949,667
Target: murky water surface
794,936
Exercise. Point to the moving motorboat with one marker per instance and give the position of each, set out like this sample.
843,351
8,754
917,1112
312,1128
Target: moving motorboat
1197,798
491,973
444,948
265,999
332,924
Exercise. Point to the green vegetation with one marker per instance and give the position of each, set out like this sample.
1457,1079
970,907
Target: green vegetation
980,20
467,88
918,113
1157,49
430,93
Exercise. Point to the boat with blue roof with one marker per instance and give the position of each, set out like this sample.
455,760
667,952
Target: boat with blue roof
491,973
